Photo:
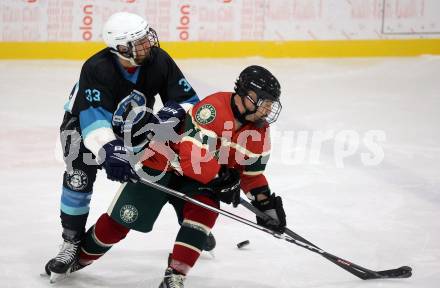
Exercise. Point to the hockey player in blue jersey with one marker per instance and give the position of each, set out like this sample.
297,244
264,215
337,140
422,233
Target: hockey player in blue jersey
121,78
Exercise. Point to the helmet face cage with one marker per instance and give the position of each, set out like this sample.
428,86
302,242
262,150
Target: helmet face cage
266,86
270,108
136,50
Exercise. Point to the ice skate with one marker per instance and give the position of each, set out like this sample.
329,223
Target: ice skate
172,279
55,277
65,262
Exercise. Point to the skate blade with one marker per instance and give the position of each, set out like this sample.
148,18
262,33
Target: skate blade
55,277
212,253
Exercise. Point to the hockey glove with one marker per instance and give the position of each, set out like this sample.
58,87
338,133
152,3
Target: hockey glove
171,109
170,114
273,207
165,125
226,186
116,163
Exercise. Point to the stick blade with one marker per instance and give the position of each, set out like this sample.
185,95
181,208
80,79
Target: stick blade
401,272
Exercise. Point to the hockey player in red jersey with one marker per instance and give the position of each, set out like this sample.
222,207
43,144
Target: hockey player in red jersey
225,147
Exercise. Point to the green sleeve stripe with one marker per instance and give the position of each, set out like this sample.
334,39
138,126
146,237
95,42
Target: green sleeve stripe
256,164
255,167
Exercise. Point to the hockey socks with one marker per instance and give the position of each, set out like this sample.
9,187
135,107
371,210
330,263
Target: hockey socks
192,235
101,237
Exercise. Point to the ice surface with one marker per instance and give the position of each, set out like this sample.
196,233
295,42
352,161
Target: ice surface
379,216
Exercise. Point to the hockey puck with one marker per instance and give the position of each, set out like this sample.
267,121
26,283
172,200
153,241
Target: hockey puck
243,244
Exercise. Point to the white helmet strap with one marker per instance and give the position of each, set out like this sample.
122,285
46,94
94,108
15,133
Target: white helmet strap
129,59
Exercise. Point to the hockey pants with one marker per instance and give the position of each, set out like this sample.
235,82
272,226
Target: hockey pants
137,206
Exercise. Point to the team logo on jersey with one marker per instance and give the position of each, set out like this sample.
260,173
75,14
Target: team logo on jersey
77,180
128,213
205,114
130,110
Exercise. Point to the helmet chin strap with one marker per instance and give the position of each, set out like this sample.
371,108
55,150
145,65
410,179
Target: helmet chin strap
131,59
241,117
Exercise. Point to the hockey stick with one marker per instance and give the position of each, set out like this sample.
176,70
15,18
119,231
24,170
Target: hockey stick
363,273
359,271
213,209
230,215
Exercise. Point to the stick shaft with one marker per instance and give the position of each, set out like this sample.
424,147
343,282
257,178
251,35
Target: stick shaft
211,208
354,269
289,235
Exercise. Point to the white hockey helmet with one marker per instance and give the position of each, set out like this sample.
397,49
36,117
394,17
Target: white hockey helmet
126,34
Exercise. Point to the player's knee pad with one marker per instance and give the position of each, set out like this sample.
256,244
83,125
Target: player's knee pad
80,179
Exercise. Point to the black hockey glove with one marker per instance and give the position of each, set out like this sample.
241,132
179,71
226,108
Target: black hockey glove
165,125
171,115
116,163
226,186
273,207
171,109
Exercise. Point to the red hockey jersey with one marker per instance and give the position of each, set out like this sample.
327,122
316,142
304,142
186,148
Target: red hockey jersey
211,138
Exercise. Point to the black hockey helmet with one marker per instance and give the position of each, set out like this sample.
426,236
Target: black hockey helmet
259,80
264,84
